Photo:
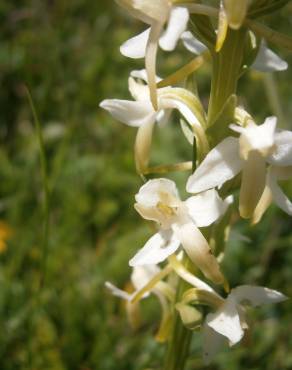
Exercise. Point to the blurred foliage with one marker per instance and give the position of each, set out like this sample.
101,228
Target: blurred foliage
67,54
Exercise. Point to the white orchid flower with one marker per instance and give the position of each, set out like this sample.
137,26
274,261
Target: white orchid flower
256,147
228,321
140,277
155,13
265,61
140,113
158,200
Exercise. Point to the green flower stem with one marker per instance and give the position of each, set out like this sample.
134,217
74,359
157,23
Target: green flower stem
179,343
226,71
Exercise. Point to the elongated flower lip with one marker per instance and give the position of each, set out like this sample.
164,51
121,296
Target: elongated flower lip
177,24
252,183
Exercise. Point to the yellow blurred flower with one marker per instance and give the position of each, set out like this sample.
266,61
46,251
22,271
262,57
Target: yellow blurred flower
5,234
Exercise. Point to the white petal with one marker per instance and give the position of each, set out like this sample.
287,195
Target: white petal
206,208
141,275
198,250
177,24
268,61
256,295
192,44
132,113
277,194
150,193
118,292
156,250
212,343
226,321
282,155
221,164
136,46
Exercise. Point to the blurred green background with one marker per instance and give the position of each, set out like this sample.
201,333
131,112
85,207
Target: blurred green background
67,54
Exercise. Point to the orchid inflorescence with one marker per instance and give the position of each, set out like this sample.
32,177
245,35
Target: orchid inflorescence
233,154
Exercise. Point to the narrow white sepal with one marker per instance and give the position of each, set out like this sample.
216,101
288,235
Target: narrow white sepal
256,295
132,113
221,164
156,249
136,46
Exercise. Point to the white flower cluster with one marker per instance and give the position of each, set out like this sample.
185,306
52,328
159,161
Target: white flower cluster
261,153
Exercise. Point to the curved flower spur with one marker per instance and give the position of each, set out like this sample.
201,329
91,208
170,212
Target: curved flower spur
252,153
158,200
140,113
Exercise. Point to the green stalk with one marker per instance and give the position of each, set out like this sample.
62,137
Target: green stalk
179,343
226,71
46,204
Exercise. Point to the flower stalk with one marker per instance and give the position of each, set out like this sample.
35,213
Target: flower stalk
226,143
180,340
